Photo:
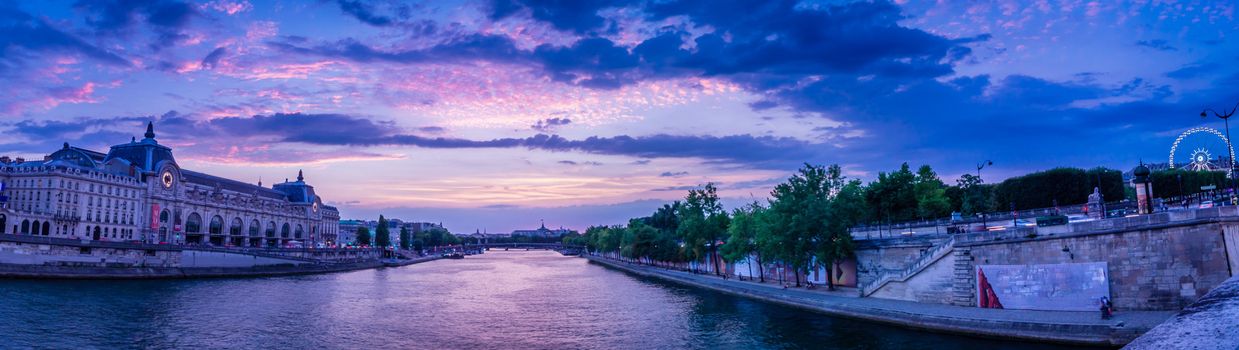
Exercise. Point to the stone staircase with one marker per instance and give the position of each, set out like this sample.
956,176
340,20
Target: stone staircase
927,258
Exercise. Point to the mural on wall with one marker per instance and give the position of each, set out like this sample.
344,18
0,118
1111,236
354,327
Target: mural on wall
1060,287
845,273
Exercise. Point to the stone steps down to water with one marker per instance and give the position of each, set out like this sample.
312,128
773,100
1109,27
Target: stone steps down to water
930,256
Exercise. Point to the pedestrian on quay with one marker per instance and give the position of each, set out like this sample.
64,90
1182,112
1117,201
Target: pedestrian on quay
1105,308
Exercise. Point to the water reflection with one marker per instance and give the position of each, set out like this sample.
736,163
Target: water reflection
511,300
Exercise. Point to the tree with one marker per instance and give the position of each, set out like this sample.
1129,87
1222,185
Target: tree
931,200
418,245
702,223
638,240
844,210
382,237
976,196
799,211
363,236
406,239
892,197
1183,182
745,223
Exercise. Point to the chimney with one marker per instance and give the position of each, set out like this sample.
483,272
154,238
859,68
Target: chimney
19,160
5,160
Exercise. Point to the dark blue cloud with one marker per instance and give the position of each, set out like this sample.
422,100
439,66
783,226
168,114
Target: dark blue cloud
1158,44
22,36
1194,70
671,174
366,12
466,48
213,58
766,45
576,16
118,17
346,130
550,124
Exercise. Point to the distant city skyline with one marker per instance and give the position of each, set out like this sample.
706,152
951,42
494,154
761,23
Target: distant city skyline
493,115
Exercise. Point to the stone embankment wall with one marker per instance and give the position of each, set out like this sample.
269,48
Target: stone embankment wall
19,253
1161,266
33,256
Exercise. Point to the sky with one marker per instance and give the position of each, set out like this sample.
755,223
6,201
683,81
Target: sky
494,114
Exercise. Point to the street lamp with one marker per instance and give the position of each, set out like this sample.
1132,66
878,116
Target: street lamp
980,166
1226,120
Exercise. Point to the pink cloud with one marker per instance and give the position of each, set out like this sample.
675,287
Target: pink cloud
230,7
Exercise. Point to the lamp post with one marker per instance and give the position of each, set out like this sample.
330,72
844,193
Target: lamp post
1226,120
980,166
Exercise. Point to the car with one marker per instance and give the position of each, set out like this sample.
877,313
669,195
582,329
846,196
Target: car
1206,204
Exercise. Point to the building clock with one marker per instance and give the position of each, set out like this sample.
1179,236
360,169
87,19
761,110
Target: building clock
166,178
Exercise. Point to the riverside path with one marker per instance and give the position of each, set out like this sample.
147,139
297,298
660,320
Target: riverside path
1066,327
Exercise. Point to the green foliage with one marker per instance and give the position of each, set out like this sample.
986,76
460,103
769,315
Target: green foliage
418,245
363,236
977,197
799,212
382,236
1066,185
746,221
574,240
1166,183
437,237
893,195
702,222
808,217
931,200
406,239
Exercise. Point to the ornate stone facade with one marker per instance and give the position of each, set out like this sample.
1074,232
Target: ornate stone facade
138,192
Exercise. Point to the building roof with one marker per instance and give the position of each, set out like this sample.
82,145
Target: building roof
230,185
297,191
144,154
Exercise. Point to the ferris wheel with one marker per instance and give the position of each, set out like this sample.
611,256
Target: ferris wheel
1200,159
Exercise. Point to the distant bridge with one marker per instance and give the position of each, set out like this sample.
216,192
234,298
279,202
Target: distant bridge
538,246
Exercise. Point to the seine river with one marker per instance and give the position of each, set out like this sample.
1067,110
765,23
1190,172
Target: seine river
499,300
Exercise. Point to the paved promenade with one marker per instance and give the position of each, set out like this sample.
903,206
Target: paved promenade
1210,323
1081,328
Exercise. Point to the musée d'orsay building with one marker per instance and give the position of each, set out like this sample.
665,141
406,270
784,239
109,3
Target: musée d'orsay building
136,192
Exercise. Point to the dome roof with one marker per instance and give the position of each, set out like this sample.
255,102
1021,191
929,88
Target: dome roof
145,153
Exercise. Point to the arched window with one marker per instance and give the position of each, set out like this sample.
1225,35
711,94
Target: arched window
47,228
163,216
271,229
284,231
25,226
254,228
217,225
194,223
297,234
3,222
34,227
235,230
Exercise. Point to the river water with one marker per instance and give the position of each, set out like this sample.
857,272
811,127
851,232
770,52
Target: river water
499,300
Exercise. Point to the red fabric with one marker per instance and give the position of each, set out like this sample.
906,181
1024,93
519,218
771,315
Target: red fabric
987,298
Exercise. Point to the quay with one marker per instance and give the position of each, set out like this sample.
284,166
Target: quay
1063,327
57,258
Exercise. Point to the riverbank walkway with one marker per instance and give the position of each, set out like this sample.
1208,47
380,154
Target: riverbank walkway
1067,327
